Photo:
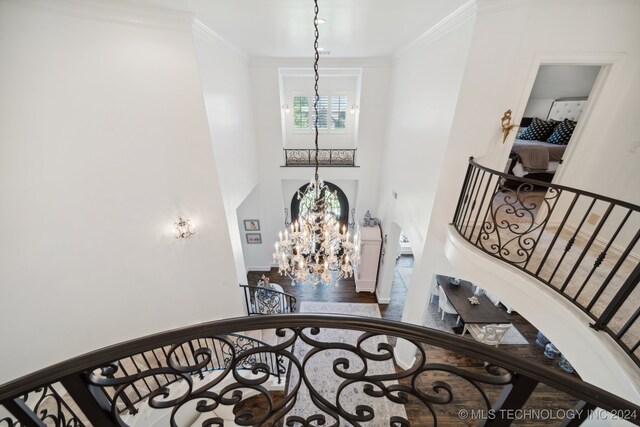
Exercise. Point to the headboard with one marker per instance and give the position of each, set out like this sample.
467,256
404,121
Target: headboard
566,109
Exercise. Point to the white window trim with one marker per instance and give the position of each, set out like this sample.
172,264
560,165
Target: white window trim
310,129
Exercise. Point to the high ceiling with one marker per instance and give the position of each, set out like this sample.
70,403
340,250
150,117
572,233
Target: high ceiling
284,28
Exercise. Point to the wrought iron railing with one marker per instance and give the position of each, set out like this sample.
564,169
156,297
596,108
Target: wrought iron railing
582,245
340,368
326,157
263,300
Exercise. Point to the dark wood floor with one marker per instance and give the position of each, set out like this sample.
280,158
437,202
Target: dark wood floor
465,396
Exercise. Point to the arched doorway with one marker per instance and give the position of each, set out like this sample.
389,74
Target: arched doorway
338,203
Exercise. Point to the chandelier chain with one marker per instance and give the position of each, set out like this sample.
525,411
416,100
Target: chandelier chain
316,77
318,248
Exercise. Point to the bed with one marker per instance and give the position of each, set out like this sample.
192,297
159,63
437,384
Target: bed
540,159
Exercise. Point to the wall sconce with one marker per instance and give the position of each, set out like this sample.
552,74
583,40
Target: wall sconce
506,125
353,109
285,107
183,229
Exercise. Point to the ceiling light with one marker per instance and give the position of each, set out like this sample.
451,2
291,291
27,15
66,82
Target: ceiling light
316,249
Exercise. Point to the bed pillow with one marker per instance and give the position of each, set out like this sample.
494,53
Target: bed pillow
539,130
520,132
562,133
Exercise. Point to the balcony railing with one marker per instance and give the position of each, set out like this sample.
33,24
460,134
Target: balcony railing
326,157
339,369
261,300
580,244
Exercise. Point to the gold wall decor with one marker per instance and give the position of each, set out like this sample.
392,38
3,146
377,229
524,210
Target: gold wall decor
506,125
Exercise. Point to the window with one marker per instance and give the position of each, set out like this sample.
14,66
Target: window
300,112
338,112
331,115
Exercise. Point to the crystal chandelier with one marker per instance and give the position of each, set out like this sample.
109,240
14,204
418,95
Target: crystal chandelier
316,249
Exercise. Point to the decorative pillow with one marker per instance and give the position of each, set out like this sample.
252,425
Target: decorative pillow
520,132
562,133
539,130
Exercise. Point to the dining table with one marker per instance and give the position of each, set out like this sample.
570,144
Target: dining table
485,312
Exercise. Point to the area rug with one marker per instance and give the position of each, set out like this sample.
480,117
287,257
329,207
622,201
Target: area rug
432,319
319,368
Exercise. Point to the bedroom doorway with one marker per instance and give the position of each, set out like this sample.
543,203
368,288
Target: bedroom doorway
555,106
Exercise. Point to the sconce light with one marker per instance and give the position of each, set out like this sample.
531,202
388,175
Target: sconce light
353,109
506,125
183,228
285,107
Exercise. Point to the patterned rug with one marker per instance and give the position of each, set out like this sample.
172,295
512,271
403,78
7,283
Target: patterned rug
319,368
432,319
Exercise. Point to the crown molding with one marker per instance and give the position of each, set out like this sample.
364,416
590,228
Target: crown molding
114,11
207,34
304,63
444,26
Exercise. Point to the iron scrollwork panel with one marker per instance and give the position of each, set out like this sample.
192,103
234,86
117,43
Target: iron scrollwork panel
516,218
326,371
50,404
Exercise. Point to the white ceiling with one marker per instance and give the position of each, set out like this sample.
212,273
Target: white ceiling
284,28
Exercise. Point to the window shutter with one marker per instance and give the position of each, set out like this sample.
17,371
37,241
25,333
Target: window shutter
300,112
338,112
323,109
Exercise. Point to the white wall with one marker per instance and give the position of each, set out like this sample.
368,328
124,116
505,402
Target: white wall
274,178
224,74
103,143
425,85
252,253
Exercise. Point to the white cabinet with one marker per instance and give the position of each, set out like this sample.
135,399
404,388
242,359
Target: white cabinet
366,272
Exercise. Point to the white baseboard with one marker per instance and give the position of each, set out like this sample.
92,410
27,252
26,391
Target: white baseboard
259,268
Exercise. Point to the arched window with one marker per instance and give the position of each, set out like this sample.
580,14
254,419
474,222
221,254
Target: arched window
337,201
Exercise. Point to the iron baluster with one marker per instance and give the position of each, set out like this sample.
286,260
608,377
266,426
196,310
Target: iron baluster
489,207
78,389
473,206
555,236
587,246
570,242
628,324
462,193
468,196
620,297
603,254
19,409
513,396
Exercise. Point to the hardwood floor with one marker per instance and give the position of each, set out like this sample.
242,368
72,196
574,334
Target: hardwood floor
465,396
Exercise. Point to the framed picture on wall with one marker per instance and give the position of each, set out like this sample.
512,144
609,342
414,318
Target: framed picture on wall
254,238
251,225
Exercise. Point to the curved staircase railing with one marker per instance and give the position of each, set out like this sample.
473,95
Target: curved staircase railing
340,368
582,245
262,300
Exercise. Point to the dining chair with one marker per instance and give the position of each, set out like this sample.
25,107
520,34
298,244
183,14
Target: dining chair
443,304
496,301
488,334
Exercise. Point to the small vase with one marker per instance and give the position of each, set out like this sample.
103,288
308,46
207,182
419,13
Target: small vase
565,365
551,352
542,341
